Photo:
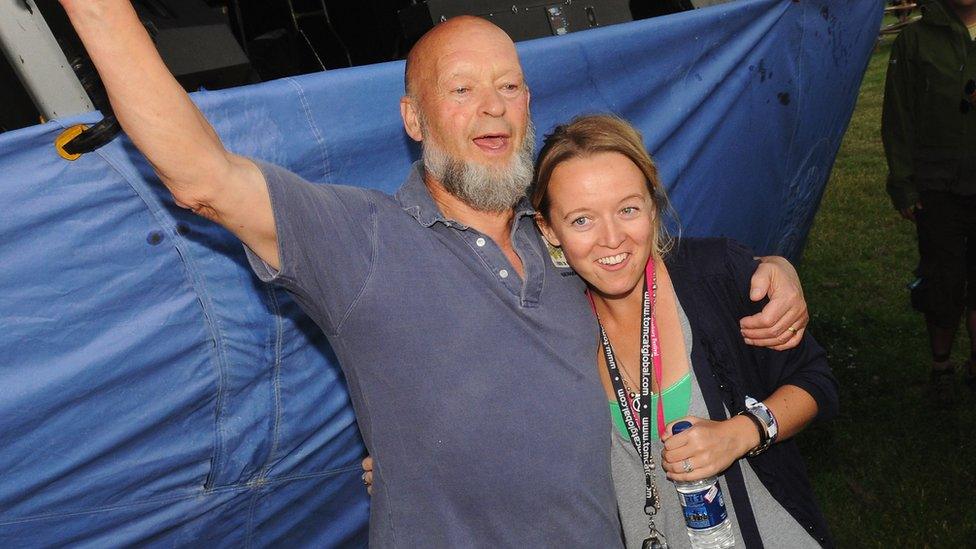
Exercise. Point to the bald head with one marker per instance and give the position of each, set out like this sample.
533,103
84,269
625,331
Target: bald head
455,34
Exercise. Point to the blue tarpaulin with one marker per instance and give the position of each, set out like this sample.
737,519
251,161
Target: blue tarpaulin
154,392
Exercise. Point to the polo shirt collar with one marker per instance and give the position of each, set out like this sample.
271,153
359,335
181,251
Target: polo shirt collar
415,199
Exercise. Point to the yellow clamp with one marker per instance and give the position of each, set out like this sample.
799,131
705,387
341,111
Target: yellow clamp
65,137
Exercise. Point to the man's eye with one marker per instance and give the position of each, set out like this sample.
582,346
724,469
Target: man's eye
510,87
461,90
580,222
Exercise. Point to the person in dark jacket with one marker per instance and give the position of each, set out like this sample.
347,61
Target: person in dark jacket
671,350
929,131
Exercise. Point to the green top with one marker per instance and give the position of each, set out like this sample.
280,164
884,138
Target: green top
677,398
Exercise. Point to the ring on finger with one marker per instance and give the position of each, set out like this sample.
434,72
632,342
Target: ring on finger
687,466
793,330
365,482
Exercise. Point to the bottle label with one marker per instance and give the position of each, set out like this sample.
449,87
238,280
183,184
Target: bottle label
704,508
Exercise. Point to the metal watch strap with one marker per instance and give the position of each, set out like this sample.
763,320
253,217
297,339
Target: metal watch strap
764,415
764,441
760,410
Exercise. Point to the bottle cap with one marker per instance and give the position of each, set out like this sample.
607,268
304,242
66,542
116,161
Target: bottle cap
680,426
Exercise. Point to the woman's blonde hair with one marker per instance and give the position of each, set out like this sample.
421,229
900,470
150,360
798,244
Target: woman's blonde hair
593,134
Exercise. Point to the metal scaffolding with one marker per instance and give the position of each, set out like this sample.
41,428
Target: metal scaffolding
34,53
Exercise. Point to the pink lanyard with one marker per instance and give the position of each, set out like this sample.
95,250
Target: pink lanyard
650,352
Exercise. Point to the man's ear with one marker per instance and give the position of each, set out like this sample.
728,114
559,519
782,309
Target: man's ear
546,230
411,120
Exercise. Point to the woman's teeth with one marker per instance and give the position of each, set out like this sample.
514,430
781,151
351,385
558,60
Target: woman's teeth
612,260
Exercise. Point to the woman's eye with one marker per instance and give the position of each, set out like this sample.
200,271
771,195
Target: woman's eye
630,210
580,222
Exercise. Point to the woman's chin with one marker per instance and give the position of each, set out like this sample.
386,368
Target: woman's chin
613,291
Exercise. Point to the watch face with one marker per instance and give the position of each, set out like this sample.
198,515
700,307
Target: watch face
763,414
759,411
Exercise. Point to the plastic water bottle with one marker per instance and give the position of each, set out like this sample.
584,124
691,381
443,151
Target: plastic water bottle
709,525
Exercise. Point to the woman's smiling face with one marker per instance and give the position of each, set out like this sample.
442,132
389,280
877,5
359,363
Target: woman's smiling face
602,216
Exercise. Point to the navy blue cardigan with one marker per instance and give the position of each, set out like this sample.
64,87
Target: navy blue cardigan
711,279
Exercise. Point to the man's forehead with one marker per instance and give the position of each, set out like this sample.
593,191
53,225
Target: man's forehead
468,40
461,64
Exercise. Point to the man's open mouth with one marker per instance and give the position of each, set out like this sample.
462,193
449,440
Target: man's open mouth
492,141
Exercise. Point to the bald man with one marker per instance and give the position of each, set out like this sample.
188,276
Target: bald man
469,355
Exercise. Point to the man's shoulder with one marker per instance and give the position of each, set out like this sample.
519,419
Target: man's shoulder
709,256
698,250
907,40
282,177
381,198
932,28
923,31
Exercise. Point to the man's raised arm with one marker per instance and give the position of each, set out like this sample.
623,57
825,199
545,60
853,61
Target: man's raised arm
168,128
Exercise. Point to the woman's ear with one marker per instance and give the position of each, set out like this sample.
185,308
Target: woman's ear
546,230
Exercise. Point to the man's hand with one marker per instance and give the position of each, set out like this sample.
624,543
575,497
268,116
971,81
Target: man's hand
780,324
909,212
368,474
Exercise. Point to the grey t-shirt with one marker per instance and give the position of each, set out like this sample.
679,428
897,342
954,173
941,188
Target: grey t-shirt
776,526
475,391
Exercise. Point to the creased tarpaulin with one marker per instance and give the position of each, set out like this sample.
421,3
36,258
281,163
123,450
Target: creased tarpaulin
152,391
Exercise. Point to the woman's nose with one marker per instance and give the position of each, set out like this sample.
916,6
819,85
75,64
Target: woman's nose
612,235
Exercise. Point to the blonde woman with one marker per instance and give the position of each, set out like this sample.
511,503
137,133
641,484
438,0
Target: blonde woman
668,312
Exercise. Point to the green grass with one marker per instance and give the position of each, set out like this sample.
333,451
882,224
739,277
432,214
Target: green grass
893,470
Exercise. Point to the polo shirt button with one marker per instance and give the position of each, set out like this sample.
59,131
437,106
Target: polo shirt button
480,242
503,273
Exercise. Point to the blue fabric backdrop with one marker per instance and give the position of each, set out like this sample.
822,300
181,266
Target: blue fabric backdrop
153,392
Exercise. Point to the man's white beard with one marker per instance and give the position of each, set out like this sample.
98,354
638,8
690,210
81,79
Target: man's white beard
484,188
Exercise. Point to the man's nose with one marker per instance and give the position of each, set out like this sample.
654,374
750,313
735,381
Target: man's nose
492,103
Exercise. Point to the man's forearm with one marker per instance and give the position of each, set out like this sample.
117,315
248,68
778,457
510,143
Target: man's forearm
153,109
169,130
898,125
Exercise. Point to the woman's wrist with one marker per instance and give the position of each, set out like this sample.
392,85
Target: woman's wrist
746,434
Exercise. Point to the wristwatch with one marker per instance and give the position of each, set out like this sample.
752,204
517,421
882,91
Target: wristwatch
763,417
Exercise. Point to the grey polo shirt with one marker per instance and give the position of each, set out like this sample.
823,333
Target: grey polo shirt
475,391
